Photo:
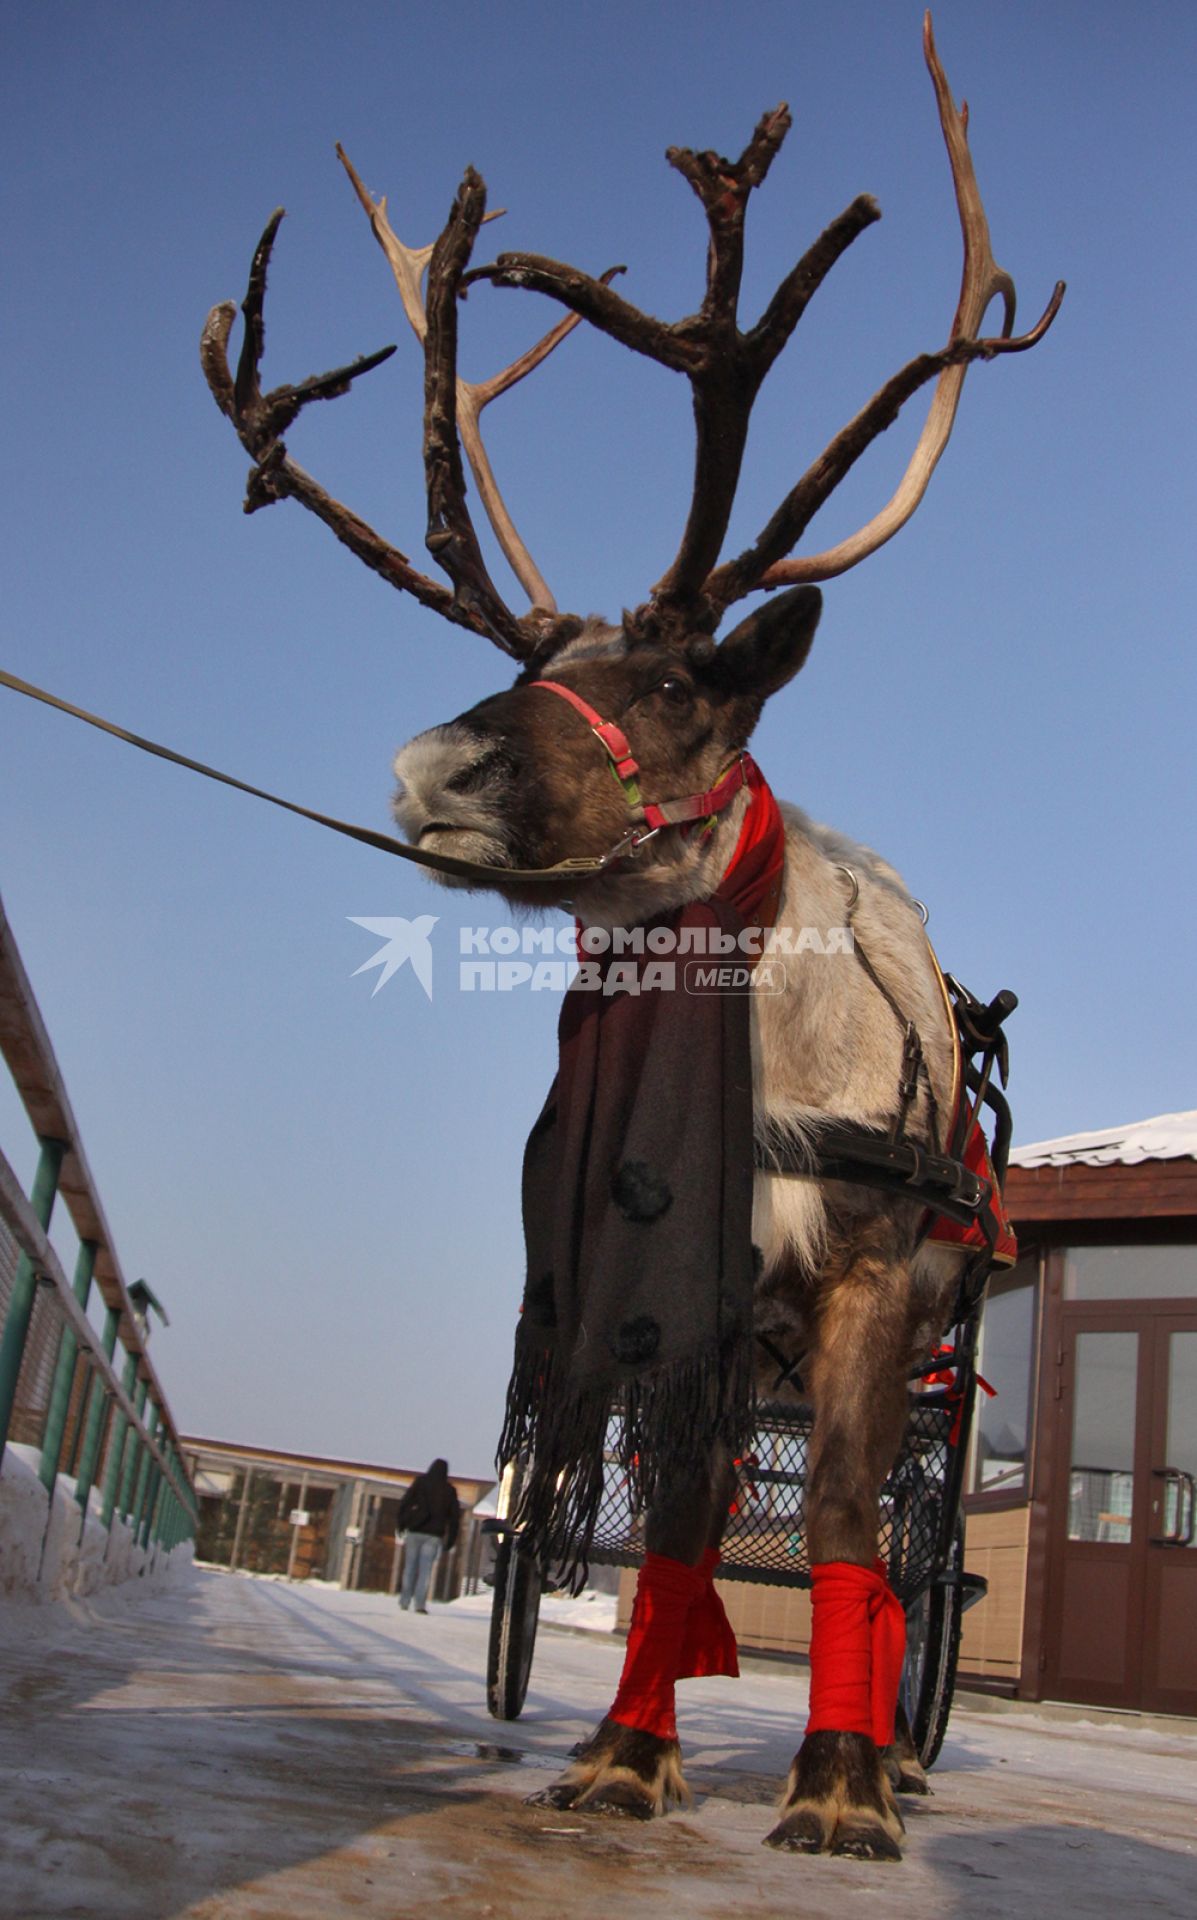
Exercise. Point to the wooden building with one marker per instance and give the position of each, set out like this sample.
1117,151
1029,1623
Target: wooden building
309,1517
1079,1507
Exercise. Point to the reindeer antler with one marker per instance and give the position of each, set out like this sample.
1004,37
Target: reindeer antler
982,281
409,264
726,367
451,406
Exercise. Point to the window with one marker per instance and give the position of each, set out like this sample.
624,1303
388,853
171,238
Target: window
1130,1273
1002,1425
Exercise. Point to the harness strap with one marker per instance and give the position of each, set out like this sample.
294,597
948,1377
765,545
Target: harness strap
625,766
608,733
700,806
574,868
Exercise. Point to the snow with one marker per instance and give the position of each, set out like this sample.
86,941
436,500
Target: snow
587,1612
243,1749
49,1551
1168,1136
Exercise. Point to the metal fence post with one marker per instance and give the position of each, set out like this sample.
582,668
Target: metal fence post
116,1448
96,1399
64,1372
132,1452
153,1502
145,1475
24,1288
145,1461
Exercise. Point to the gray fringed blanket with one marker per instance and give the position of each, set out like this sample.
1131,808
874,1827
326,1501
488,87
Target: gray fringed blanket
637,1198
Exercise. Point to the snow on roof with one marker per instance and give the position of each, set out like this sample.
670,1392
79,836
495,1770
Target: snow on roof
1168,1136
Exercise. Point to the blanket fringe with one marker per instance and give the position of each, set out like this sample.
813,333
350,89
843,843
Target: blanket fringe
660,1427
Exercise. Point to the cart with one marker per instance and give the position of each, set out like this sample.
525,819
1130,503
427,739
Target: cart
922,1536
922,1529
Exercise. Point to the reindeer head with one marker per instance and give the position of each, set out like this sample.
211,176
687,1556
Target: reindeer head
610,734
599,739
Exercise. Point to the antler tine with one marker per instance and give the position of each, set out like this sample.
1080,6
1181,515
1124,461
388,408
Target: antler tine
726,381
982,281
735,363
409,264
451,538
724,366
261,419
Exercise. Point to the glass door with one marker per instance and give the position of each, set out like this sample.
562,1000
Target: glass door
1170,1640
1121,1610
1095,1595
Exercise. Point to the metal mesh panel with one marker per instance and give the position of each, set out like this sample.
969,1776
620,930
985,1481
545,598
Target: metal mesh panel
765,1538
37,1369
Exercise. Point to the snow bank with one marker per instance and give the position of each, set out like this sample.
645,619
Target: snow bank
50,1552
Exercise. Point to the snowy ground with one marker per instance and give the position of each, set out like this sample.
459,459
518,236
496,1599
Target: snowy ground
249,1750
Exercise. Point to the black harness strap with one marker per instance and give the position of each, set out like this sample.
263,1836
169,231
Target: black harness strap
864,1156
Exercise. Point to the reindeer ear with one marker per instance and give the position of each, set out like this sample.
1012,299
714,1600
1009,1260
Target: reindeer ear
771,645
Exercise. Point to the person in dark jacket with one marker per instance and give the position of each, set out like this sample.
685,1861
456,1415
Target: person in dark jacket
430,1514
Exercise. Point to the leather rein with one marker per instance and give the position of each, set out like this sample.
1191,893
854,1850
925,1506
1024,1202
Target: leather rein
650,817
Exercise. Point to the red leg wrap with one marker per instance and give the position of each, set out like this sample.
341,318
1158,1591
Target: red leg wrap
678,1629
857,1645
708,1644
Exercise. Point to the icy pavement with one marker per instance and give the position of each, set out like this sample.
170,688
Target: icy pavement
249,1750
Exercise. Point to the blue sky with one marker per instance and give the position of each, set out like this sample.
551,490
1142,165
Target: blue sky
322,1182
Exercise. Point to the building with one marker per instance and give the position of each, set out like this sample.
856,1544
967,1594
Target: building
1081,1508
262,1510
1079,1503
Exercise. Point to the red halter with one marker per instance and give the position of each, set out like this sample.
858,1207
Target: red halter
669,813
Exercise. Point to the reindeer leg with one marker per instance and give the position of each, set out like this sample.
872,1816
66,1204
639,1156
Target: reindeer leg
838,1797
632,1764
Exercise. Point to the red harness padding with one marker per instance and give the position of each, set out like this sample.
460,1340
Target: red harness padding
678,1632
857,1644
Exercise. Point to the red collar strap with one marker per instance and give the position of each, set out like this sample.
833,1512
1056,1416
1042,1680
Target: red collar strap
857,1645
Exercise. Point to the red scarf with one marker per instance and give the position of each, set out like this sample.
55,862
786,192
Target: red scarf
752,882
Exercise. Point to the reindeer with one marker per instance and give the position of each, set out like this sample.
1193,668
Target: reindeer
517,795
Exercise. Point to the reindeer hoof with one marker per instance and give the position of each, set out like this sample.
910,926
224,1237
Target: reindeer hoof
560,1796
619,1771
800,1832
906,1775
839,1800
903,1768
627,1799
865,1843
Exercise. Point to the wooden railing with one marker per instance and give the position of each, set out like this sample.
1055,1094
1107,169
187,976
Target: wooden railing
91,1411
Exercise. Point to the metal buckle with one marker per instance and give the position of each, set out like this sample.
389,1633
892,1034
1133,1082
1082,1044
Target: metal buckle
638,839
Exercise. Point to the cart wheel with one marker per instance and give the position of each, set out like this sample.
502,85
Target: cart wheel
512,1629
932,1649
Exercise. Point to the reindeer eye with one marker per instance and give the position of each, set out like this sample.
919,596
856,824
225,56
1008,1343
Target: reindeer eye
676,691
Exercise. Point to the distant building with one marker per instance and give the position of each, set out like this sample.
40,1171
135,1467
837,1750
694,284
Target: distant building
308,1517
